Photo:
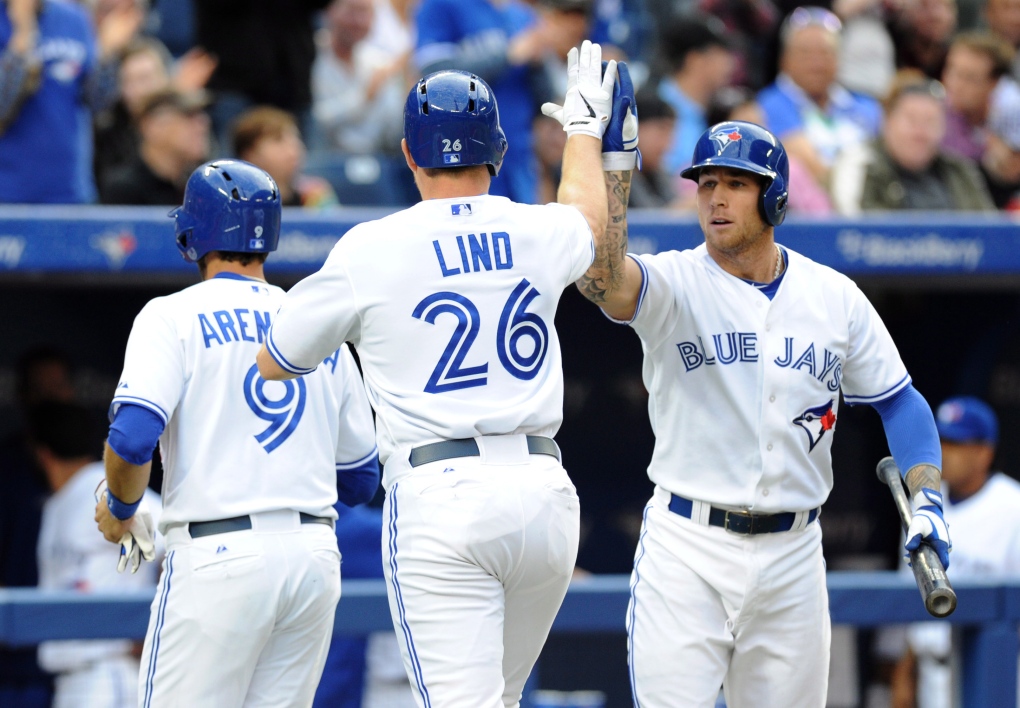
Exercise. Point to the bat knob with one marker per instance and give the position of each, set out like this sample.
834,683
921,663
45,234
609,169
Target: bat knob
887,470
940,602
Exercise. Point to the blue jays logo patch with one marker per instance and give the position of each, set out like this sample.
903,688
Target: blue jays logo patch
816,422
723,138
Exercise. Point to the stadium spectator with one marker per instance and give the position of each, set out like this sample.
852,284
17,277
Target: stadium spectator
265,51
503,43
54,72
867,53
750,27
736,103
983,120
146,67
923,30
1003,17
906,168
174,130
269,138
652,186
42,374
73,555
806,107
357,89
549,143
699,63
969,431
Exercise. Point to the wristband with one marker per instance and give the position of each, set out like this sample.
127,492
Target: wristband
121,510
617,161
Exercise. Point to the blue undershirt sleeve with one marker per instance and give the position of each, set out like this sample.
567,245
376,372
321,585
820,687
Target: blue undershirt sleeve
357,485
134,433
910,429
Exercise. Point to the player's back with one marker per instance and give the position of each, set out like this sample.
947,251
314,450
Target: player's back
454,304
234,444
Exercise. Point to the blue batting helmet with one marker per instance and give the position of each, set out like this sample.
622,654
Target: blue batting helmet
451,120
229,205
745,146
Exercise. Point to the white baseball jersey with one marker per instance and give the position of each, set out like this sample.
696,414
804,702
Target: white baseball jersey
73,555
234,443
439,363
743,390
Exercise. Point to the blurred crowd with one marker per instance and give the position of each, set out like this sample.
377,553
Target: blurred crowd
881,104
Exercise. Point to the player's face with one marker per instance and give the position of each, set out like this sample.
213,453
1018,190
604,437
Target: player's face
963,463
728,209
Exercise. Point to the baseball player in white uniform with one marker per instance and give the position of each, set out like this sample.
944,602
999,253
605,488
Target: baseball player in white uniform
251,579
747,348
73,555
450,304
969,431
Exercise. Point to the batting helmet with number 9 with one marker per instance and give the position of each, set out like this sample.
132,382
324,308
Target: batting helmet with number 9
451,120
229,205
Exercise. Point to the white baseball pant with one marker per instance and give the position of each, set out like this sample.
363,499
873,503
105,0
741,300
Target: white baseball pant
712,608
242,618
478,553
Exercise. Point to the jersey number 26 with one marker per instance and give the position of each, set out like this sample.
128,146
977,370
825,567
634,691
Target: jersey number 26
515,323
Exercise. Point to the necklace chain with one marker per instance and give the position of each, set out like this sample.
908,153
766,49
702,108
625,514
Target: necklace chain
779,262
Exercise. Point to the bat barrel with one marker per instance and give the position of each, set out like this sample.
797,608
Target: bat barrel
889,474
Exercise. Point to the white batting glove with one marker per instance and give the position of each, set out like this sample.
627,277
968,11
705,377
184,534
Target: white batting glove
138,543
929,525
589,100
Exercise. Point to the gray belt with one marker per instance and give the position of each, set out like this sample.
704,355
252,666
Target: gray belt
468,447
198,529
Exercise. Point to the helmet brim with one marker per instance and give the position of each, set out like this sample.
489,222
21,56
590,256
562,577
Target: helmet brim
693,171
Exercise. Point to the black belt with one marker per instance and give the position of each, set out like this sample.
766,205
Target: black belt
742,522
468,447
198,529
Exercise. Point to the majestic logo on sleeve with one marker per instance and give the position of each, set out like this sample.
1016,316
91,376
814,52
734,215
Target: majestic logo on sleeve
816,422
723,138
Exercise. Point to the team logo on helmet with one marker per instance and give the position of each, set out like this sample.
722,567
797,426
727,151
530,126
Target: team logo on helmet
723,138
816,422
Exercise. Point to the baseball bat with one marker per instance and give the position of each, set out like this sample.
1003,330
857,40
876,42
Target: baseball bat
938,595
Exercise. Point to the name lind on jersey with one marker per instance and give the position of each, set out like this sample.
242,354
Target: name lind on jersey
733,347
476,253
226,326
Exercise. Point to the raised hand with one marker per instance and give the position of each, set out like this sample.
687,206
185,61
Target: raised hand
589,99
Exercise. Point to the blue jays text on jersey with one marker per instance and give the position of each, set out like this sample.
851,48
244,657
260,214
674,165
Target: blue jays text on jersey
733,347
474,253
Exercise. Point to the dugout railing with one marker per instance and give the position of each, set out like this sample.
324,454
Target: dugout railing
988,613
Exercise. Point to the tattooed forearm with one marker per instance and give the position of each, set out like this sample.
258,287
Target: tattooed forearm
922,476
606,271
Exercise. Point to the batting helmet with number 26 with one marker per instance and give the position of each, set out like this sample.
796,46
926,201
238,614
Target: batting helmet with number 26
229,205
451,120
745,146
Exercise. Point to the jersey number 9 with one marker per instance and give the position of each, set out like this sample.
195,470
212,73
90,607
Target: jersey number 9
283,413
